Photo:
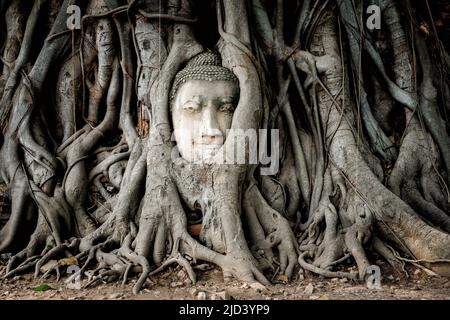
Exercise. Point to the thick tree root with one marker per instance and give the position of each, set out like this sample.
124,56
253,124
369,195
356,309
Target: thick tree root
90,186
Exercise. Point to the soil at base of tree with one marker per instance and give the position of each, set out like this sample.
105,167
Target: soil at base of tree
170,285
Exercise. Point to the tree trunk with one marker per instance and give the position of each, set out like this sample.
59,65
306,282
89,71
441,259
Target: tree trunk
349,125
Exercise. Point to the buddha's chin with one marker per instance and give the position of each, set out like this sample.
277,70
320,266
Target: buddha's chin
205,153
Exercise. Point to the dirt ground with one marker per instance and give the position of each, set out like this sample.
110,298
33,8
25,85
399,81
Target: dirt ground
172,284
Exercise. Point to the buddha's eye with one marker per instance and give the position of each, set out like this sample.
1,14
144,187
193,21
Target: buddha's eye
191,106
227,107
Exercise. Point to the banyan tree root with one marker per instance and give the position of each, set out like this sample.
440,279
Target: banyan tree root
92,176
363,177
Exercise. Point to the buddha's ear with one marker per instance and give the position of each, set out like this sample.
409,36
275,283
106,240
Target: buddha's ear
173,101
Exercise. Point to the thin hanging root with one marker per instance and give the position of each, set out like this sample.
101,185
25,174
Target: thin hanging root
325,273
416,262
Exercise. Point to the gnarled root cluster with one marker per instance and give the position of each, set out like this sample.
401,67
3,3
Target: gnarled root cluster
87,153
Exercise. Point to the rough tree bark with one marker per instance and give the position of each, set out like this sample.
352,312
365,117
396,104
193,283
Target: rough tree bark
87,151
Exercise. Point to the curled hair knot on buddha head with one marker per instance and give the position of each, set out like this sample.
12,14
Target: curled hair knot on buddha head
204,66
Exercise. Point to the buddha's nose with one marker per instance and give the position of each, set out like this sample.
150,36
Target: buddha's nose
210,129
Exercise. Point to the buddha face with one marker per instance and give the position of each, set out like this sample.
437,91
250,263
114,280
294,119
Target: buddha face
202,112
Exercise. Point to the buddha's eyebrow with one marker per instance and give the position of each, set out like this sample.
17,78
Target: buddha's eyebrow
195,99
228,99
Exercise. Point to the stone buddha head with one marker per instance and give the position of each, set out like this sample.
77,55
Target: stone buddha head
203,98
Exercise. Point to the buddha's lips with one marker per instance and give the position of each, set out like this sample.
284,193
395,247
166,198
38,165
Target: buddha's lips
208,145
